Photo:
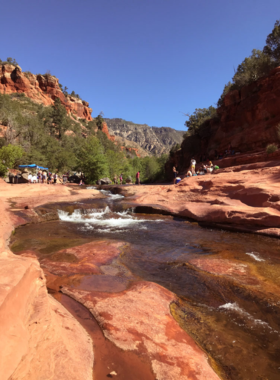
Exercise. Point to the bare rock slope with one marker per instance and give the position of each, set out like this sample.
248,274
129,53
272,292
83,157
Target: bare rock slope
153,140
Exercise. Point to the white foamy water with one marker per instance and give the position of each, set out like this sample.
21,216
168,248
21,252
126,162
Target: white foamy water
110,195
234,307
104,220
255,256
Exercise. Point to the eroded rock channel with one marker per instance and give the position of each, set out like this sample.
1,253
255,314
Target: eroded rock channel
162,298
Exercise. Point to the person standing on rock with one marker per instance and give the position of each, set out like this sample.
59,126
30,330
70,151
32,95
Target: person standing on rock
174,174
138,178
121,179
193,163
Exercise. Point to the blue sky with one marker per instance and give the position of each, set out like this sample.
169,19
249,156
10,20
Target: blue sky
147,61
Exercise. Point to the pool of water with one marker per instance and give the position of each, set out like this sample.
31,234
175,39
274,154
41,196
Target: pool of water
228,284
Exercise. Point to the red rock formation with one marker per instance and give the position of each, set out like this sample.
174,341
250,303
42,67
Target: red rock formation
242,198
42,89
249,117
87,258
39,338
130,150
139,319
105,130
248,120
3,129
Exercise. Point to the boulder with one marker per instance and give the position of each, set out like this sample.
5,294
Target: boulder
104,181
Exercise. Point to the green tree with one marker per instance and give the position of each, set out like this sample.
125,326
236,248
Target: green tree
99,120
12,61
252,68
272,47
197,119
116,163
58,119
9,157
92,161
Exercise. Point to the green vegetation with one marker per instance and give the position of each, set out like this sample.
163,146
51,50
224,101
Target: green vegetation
10,61
271,148
49,137
197,120
257,65
9,156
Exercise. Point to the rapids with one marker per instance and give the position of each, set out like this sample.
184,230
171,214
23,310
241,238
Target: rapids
228,284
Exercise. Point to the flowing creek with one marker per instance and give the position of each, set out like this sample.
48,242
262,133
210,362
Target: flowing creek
227,284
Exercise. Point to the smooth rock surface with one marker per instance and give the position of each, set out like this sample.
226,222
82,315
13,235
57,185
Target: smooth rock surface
139,319
245,200
83,259
39,338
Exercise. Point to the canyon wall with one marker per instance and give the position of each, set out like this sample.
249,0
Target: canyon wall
42,89
249,120
249,117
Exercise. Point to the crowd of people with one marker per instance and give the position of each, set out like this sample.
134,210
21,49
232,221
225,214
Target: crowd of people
194,170
47,177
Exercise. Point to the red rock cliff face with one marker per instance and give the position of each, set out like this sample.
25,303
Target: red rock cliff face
248,120
42,89
106,131
249,117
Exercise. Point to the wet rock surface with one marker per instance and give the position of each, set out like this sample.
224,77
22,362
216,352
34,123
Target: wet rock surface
139,319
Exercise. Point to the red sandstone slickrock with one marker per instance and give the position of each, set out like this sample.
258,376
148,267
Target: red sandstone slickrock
139,319
89,258
39,339
246,198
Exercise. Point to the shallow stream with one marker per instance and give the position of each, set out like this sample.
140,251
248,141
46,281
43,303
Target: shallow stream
228,284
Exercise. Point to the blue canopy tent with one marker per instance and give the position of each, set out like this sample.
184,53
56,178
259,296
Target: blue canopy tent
32,166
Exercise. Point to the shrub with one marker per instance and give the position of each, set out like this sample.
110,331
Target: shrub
9,157
271,148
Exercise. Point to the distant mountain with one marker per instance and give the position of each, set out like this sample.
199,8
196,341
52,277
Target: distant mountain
153,140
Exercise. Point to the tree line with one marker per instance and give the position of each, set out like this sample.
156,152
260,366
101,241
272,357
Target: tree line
257,65
49,137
